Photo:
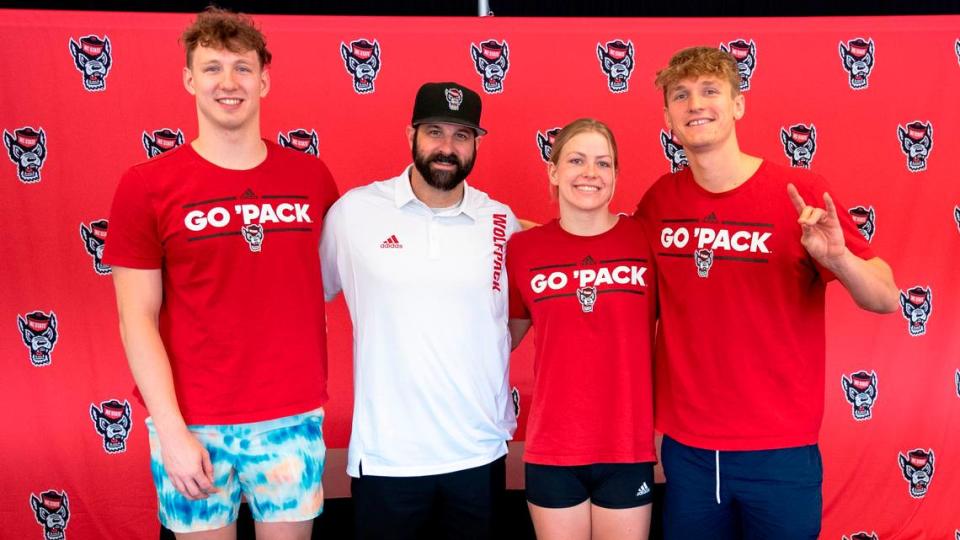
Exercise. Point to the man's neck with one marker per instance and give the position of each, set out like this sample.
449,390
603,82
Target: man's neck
722,169
238,150
431,196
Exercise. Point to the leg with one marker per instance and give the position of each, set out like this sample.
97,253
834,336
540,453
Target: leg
471,501
284,530
621,524
691,509
779,492
387,508
280,466
559,501
571,523
622,500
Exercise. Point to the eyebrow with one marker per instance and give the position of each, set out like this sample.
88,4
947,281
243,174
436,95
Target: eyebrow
585,155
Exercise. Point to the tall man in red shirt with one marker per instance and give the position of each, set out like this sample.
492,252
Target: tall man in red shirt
214,250
745,249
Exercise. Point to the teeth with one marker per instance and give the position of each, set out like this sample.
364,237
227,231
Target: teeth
698,122
587,188
229,101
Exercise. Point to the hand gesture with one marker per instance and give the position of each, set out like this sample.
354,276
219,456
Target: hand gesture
188,465
822,233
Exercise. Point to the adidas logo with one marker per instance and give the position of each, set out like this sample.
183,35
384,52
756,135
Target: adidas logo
249,194
644,489
588,261
391,243
712,218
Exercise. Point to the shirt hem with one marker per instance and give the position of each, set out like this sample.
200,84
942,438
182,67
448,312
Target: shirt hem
543,459
744,443
370,469
258,416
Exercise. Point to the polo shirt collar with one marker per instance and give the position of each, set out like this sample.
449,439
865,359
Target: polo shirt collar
403,195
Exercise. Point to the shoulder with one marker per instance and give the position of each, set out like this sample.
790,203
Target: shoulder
489,208
169,161
807,182
372,193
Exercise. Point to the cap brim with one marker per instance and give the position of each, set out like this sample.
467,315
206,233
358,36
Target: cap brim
447,120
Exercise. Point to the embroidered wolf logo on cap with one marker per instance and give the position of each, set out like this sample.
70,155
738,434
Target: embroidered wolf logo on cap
799,144
916,141
616,62
362,61
52,511
491,60
161,140
93,60
673,151
39,333
301,140
917,304
27,149
917,468
112,421
545,142
865,219
94,237
857,58
861,391
745,53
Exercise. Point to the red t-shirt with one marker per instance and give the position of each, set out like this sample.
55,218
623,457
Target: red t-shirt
592,301
242,318
740,348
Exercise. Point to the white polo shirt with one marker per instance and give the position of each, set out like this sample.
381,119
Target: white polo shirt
427,294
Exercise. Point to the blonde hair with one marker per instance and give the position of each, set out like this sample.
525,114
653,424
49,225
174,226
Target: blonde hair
694,62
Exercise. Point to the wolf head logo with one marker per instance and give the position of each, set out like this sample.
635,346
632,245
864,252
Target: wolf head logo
51,510
93,59
799,144
491,60
865,220
616,62
917,305
916,142
162,140
917,468
94,237
857,58
27,148
362,61
745,53
301,140
673,151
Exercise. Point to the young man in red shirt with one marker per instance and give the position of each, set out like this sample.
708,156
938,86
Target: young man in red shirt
214,254
744,249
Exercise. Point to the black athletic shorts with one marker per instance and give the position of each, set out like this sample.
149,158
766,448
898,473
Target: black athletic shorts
608,485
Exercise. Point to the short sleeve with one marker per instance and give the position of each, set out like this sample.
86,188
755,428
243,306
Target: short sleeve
330,251
133,237
518,309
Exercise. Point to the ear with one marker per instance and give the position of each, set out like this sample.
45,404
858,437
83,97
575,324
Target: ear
739,106
188,81
666,119
552,174
264,81
477,140
411,133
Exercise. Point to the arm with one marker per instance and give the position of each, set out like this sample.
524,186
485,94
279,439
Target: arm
328,255
869,282
139,295
518,329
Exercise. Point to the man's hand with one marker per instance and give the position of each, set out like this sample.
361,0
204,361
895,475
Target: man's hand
822,234
187,464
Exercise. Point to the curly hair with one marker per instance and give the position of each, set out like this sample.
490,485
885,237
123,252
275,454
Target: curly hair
695,62
221,28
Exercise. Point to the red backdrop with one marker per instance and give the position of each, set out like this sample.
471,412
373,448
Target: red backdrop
553,74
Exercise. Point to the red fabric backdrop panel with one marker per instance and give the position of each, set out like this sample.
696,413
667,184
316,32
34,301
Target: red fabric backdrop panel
872,98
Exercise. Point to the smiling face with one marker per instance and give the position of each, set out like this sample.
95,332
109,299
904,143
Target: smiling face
443,153
228,87
584,173
702,112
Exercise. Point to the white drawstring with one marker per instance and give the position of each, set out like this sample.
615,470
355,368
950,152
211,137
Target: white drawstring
718,477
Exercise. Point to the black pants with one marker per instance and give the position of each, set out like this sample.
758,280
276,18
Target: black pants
461,505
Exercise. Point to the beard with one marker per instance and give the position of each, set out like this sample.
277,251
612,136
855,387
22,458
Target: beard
442,180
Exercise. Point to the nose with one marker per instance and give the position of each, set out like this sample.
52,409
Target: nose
694,102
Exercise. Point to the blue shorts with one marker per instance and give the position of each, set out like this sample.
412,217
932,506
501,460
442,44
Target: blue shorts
276,465
749,494
607,485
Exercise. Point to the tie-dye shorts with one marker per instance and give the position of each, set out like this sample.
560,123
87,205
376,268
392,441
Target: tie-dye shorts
276,465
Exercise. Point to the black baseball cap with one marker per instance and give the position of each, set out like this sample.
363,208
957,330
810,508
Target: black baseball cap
448,103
